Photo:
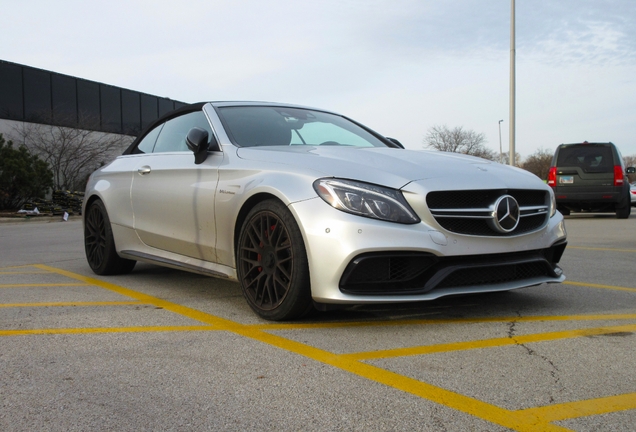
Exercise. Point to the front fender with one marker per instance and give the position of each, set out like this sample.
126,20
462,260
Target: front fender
238,191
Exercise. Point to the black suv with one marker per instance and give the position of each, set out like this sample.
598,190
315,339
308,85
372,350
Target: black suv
590,177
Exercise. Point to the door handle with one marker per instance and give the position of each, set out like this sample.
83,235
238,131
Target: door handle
143,170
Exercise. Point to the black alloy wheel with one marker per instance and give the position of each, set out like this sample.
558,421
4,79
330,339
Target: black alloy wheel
272,263
99,243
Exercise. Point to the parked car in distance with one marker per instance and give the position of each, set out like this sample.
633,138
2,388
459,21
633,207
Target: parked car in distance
590,177
632,192
306,208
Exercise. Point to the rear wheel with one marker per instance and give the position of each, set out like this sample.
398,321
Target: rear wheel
272,263
99,243
625,209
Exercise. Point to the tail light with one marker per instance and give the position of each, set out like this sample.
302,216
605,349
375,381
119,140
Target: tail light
619,179
552,176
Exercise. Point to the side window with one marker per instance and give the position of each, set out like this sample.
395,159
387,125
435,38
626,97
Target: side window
148,143
173,134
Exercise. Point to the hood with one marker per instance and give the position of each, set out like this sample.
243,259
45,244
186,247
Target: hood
388,166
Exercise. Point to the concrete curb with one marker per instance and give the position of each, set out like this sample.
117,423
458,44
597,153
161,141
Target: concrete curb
36,219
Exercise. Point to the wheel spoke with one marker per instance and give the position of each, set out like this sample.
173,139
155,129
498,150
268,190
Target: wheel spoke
283,269
256,280
253,242
254,265
261,289
279,238
257,230
271,291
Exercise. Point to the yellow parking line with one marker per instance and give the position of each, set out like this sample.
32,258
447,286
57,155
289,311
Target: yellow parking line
46,285
601,249
51,331
173,307
514,420
591,285
382,323
55,304
475,407
489,343
584,408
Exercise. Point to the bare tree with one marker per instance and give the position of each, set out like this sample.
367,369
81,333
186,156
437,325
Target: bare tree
538,163
458,140
505,159
72,154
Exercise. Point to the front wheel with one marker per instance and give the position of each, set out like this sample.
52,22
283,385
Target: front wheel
272,263
99,243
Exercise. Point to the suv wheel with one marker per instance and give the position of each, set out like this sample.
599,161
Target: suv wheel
623,211
564,211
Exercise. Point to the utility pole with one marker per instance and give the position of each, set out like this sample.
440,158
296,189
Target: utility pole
512,83
500,148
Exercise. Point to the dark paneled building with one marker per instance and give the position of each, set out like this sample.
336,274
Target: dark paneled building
39,96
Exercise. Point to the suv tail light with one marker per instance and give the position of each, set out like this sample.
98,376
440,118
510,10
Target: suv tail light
552,176
619,179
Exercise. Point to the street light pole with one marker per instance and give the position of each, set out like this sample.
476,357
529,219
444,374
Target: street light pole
512,83
500,148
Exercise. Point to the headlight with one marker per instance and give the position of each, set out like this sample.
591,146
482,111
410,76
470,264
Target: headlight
552,203
364,199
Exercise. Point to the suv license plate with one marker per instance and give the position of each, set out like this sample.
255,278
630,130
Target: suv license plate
566,179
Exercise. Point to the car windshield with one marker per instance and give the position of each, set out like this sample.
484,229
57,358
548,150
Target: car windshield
251,126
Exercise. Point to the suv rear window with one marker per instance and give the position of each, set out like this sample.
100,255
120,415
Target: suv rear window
591,158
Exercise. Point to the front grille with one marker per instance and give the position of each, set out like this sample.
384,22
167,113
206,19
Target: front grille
483,198
471,212
481,227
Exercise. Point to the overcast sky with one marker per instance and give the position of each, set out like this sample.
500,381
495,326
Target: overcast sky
398,66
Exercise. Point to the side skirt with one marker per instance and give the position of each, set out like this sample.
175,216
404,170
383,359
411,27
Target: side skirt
167,262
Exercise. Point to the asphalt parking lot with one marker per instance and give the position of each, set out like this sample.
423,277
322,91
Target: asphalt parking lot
161,349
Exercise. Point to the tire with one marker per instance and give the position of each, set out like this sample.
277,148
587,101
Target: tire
564,211
624,210
272,263
99,243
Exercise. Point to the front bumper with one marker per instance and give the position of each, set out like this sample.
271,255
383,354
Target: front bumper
335,239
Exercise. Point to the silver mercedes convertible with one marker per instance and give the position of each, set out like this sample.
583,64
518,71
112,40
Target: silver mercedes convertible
307,208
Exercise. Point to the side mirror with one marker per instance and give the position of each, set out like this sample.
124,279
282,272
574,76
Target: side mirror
630,170
197,141
396,142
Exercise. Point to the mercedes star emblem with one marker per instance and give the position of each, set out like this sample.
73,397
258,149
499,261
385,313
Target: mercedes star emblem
505,215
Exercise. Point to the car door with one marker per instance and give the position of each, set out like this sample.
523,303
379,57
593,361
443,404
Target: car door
172,198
